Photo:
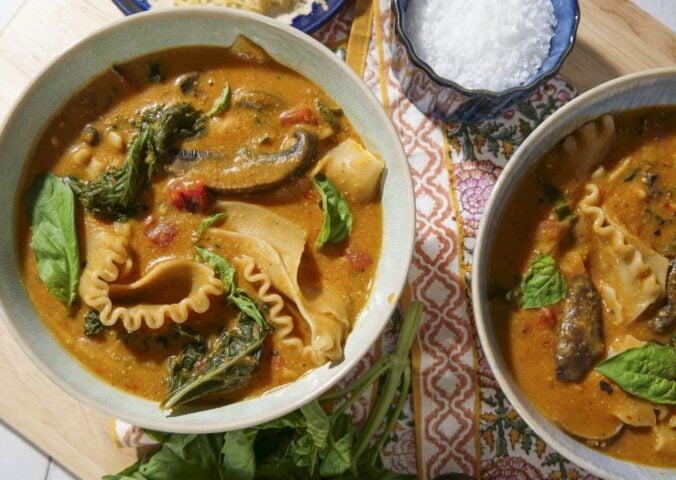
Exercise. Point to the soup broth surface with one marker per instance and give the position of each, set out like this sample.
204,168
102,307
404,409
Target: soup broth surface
268,105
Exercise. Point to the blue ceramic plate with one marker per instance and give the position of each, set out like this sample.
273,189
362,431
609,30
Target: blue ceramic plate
305,23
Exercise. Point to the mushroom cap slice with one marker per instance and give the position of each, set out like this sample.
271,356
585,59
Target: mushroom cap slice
254,172
599,436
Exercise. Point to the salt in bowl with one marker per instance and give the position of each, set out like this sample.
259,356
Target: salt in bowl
444,98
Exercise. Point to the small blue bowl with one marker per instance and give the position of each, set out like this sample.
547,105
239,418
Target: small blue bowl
445,99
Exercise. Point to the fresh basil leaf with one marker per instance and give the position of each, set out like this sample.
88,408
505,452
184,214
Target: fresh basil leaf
221,103
337,224
338,456
207,223
92,324
129,473
317,423
223,269
192,456
291,420
648,372
543,285
239,460
156,435
52,212
305,453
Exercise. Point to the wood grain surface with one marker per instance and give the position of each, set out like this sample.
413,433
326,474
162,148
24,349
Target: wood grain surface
615,38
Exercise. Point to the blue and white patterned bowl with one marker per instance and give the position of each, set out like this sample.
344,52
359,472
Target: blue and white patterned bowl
646,89
140,34
443,98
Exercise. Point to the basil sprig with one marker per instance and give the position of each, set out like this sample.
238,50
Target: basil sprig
337,224
543,285
52,212
648,372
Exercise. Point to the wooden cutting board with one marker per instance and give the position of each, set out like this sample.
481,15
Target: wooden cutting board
615,38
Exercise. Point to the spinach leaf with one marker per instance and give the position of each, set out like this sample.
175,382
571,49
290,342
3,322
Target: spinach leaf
207,223
337,223
229,366
175,122
54,242
543,285
558,201
221,103
115,193
235,355
181,367
92,324
648,372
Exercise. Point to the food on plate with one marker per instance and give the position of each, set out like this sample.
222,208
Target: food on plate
582,285
191,232
482,44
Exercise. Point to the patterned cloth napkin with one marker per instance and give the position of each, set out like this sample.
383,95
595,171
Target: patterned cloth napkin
457,419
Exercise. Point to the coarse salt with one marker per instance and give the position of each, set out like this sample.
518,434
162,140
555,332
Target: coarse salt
482,44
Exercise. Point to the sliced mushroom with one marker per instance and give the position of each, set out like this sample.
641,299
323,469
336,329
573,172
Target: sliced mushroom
666,317
257,100
580,339
593,434
245,176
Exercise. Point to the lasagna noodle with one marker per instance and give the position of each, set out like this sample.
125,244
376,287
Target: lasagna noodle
109,260
277,246
283,323
626,272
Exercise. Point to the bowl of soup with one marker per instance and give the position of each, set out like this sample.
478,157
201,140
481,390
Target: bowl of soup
211,220
574,279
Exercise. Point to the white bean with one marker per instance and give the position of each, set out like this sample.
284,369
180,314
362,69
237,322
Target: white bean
81,156
115,140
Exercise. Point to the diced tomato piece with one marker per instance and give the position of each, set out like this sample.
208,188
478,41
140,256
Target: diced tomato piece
190,196
299,115
358,260
547,316
160,233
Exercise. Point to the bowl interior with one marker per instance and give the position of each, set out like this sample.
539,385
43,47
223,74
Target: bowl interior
160,30
634,91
